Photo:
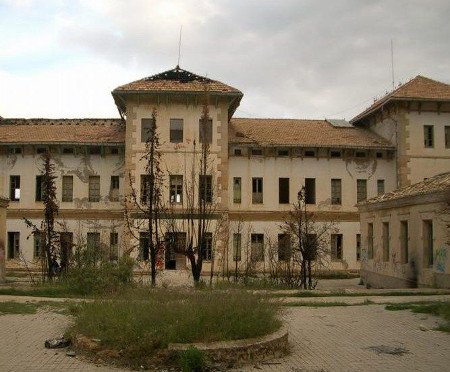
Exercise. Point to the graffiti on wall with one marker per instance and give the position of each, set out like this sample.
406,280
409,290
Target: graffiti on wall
441,260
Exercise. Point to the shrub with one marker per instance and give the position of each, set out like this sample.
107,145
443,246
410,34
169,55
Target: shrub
192,360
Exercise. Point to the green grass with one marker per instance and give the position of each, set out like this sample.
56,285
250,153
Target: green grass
12,307
441,309
42,290
308,294
317,304
140,322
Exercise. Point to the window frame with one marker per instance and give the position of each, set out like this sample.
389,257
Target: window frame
336,187
283,190
176,188
257,190
14,185
428,136
174,133
66,191
94,195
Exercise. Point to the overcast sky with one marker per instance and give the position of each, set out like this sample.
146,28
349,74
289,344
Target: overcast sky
290,58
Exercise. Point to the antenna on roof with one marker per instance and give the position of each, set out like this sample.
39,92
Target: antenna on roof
392,64
179,48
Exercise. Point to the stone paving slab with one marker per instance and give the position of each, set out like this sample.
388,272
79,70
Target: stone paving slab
354,300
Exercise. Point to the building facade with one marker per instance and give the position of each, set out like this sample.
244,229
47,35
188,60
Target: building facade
257,167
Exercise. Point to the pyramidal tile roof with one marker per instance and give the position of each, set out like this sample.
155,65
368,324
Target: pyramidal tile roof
419,88
73,131
177,80
302,132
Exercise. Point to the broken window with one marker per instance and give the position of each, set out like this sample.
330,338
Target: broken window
39,188
205,188
14,188
114,189
386,241
237,246
336,191
428,243
428,136
370,241
94,188
145,183
283,190
93,240
257,247
205,130
13,244
207,247
284,247
336,247
310,190
237,185
146,129
176,189
404,241
113,246
358,247
67,188
39,244
176,130
380,187
257,190
361,190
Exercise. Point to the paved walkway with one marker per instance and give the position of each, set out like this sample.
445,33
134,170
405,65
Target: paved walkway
322,339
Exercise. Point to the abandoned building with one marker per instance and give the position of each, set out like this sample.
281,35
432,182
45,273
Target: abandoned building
257,167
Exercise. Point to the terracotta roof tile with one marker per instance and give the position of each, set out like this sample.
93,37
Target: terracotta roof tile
177,80
307,133
61,131
438,183
418,88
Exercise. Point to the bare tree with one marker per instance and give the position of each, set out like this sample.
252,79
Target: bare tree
309,239
143,212
47,226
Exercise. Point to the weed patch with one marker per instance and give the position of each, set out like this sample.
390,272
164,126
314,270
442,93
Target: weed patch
12,307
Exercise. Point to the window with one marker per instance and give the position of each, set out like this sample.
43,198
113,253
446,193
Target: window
358,247
176,189
146,129
428,136
360,154
14,188
404,241
237,247
385,239
336,191
237,187
15,150
39,188
336,247
380,187
447,137
428,243
379,155
284,247
67,150
283,190
13,244
283,152
175,243
93,240
257,247
207,252
94,188
335,154
309,153
39,245
113,246
145,180
114,189
370,241
176,130
144,244
257,152
66,242
205,130
41,150
257,190
361,190
205,188
114,151
94,150
67,188
237,152
310,190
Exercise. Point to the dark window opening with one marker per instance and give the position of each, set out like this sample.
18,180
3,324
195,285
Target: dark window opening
205,130
283,190
176,130
284,247
336,247
257,190
205,188
310,190
14,188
